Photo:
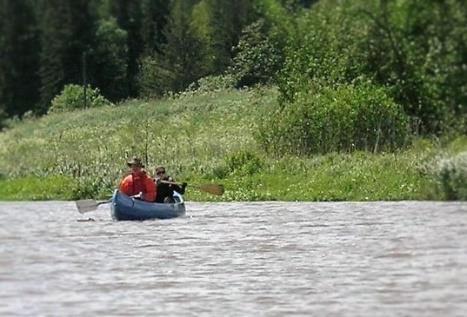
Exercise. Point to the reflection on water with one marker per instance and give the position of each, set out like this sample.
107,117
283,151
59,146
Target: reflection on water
236,259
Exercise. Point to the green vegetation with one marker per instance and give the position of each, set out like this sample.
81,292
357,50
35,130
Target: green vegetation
366,99
345,118
35,188
207,137
368,55
75,97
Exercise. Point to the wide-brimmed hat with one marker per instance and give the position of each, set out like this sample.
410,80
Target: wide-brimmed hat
135,161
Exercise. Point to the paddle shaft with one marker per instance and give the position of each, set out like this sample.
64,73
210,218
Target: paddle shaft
214,189
170,183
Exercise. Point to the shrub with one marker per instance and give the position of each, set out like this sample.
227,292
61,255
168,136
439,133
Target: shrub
72,97
244,163
349,117
212,84
451,176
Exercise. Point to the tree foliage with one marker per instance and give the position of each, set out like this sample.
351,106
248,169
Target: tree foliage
129,17
403,55
67,31
19,59
219,24
109,60
180,62
416,48
257,59
154,20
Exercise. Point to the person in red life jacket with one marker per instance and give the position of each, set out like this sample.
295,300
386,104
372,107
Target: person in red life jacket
138,184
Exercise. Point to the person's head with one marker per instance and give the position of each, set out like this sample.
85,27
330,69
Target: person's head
160,171
135,164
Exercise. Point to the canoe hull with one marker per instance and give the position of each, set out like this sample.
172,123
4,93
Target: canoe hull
124,207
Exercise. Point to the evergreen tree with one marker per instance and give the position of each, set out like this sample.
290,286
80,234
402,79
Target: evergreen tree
183,49
257,57
19,57
109,60
294,5
129,18
154,20
181,62
67,32
224,21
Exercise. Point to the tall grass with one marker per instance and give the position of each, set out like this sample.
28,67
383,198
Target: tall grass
190,134
203,137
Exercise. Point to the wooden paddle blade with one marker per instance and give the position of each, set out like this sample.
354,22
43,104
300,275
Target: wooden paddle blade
214,189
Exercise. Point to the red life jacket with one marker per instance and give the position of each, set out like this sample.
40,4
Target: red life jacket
134,184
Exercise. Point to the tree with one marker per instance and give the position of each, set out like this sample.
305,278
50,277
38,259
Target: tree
294,5
154,20
257,59
109,60
220,23
418,48
129,18
181,61
67,32
19,57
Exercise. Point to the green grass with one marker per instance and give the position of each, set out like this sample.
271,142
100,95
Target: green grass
201,138
35,188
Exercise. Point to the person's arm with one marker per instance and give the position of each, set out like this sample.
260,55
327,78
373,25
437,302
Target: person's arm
179,189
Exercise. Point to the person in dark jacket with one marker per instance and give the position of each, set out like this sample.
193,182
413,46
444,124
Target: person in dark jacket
165,191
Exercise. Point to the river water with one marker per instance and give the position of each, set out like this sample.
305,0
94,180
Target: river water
236,259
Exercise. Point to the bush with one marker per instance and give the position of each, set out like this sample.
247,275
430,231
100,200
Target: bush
349,117
451,176
239,163
72,97
244,163
210,84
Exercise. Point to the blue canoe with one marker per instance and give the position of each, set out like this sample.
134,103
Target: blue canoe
124,207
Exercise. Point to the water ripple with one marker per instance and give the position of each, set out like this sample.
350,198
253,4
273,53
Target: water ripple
236,259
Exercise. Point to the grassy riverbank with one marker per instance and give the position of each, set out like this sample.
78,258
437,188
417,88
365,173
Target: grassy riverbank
203,137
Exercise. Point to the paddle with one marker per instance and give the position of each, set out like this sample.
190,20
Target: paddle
87,205
214,189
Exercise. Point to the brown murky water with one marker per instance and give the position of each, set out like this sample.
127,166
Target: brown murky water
236,259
